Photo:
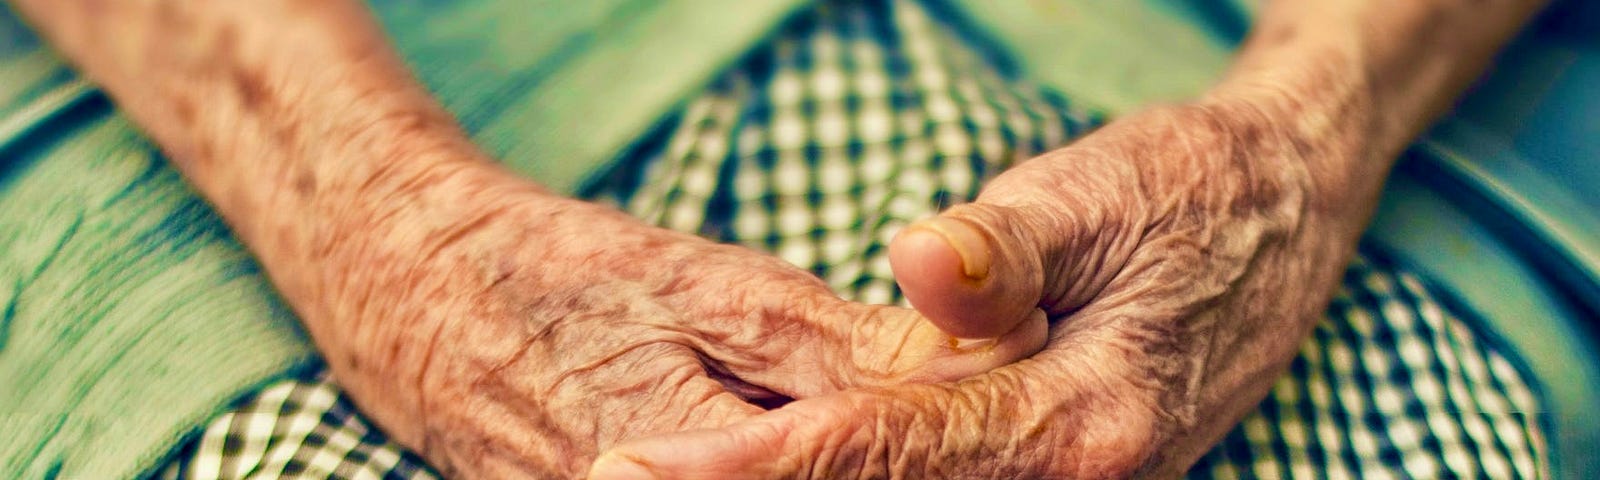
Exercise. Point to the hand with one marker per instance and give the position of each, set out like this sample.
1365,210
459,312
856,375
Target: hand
499,330
553,329
1181,255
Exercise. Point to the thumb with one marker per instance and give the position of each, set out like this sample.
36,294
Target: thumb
977,270
858,346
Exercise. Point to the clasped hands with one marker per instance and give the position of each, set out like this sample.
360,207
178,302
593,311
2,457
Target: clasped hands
1133,295
1120,304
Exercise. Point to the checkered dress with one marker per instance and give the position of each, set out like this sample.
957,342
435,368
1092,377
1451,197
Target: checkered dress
860,117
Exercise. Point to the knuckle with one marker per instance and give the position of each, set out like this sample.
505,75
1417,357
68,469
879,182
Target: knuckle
840,439
909,434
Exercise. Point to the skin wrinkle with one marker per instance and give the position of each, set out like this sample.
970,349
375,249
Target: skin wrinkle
1062,297
422,387
1098,232
433,174
494,372
833,462
673,384
449,236
1285,158
591,366
1130,429
522,415
559,396
857,334
882,454
970,407
751,393
865,361
698,390
1072,430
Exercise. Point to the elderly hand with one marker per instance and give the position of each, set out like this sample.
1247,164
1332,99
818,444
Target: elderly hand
1181,255
496,328
548,329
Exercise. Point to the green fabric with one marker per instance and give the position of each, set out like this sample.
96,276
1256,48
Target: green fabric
556,88
92,282
1109,56
128,314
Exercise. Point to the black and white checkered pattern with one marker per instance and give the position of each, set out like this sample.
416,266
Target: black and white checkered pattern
299,428
864,116
1390,385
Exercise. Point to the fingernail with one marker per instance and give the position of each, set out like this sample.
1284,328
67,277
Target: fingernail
611,466
970,244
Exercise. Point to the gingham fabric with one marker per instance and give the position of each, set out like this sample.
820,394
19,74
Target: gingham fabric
860,117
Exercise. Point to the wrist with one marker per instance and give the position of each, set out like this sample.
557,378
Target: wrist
1331,137
1364,79
407,200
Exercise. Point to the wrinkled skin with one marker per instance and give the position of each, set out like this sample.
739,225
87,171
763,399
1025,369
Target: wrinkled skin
1181,259
498,329
550,329
1179,255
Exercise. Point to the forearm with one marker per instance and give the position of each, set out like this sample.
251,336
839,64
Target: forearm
264,106
1342,87
311,139
1360,79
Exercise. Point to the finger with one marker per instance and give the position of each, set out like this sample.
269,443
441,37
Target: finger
548,418
686,397
677,402
986,427
791,335
881,355
642,398
972,271
977,270
859,346
851,435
